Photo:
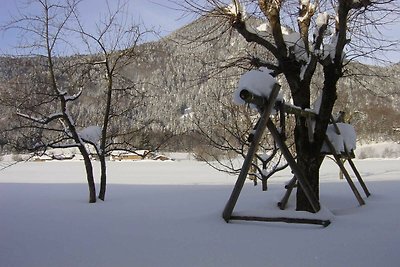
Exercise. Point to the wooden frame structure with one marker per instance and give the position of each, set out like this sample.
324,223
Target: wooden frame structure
338,160
265,107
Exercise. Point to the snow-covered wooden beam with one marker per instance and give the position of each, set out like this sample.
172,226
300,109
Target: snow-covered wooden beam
230,205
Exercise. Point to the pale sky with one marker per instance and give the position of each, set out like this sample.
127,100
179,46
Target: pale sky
152,13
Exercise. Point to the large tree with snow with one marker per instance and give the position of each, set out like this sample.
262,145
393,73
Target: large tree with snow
304,36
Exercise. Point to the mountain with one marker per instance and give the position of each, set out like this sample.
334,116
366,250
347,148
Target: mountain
190,72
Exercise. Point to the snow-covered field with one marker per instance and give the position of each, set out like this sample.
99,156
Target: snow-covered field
169,214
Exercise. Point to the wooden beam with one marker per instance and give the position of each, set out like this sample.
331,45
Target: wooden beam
295,168
299,111
289,188
267,109
353,167
324,223
360,180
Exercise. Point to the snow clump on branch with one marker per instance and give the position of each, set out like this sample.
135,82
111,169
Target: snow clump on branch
322,19
235,9
295,44
310,10
90,134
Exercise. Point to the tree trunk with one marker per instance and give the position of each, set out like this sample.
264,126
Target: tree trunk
103,177
309,156
309,162
309,165
89,174
103,140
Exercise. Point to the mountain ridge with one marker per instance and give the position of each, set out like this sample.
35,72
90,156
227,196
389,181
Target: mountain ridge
200,63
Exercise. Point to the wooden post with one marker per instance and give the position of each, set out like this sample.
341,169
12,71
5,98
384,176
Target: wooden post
267,109
360,180
353,167
345,173
289,188
340,171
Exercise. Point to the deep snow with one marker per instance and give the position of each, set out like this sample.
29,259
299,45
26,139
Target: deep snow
169,214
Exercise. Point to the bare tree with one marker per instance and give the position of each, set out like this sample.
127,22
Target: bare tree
303,36
44,97
114,45
118,120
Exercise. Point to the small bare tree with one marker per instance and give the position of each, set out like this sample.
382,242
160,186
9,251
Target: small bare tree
114,45
52,103
44,97
227,136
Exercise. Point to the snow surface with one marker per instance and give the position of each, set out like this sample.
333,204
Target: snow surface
169,214
259,82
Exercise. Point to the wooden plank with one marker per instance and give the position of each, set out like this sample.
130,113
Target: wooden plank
289,188
267,109
358,175
343,169
324,223
360,180
299,111
295,168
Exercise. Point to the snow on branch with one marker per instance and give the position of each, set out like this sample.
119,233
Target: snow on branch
238,19
44,120
91,134
295,44
74,97
325,43
308,11
236,9
322,20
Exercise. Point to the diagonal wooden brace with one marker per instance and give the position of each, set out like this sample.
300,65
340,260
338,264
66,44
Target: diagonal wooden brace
295,168
345,173
266,112
353,167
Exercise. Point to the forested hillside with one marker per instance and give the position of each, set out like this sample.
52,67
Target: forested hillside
192,74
